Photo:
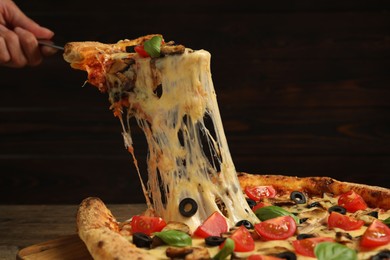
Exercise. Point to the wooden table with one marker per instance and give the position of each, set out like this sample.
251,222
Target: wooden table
26,225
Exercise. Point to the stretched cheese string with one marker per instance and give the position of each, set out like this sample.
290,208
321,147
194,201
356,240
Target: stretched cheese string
174,126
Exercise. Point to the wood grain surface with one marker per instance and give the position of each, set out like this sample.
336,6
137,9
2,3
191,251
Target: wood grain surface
22,226
303,90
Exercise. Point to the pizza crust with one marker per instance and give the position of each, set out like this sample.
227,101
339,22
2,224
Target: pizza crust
99,230
375,197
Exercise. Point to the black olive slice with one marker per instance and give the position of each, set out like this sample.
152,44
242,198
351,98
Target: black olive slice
288,255
245,223
298,197
141,240
188,207
214,240
314,204
337,209
130,49
382,255
251,202
303,220
373,214
304,236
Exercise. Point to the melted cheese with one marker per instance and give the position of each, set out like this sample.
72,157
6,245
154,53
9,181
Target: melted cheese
179,166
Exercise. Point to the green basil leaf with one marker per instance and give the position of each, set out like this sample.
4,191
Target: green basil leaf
334,251
269,212
153,46
387,221
226,250
174,238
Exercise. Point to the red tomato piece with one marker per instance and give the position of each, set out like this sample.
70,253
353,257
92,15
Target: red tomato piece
141,51
147,225
352,201
306,246
258,192
344,222
214,225
260,205
377,234
263,257
243,241
276,228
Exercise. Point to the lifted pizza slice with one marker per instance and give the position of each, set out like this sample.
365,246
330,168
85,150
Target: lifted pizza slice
168,89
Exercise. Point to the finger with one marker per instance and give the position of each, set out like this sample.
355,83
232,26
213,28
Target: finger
30,46
48,51
18,19
4,54
17,58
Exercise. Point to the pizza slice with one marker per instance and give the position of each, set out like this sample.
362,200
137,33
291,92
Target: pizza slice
193,192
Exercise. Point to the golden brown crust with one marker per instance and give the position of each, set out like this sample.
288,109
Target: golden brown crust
99,230
375,197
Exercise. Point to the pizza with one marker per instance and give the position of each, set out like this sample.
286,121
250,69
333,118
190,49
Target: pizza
198,205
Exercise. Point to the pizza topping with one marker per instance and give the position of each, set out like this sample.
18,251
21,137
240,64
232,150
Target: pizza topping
330,250
270,212
374,214
276,228
304,236
243,241
214,240
313,204
174,238
179,226
245,223
382,255
226,250
251,202
337,209
387,221
214,225
263,257
352,201
256,193
306,246
188,207
287,255
343,238
298,197
153,46
377,234
142,240
187,253
146,224
344,222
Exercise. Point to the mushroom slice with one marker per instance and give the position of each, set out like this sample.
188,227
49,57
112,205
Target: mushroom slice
315,218
187,253
179,226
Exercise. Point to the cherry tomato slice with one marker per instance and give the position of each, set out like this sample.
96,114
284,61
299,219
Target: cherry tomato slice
258,192
260,205
214,225
344,222
276,228
141,51
306,246
377,234
147,225
243,241
352,201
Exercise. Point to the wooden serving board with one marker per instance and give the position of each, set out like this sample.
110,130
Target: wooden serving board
65,248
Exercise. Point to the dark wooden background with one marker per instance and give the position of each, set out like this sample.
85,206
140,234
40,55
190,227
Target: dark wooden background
303,88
